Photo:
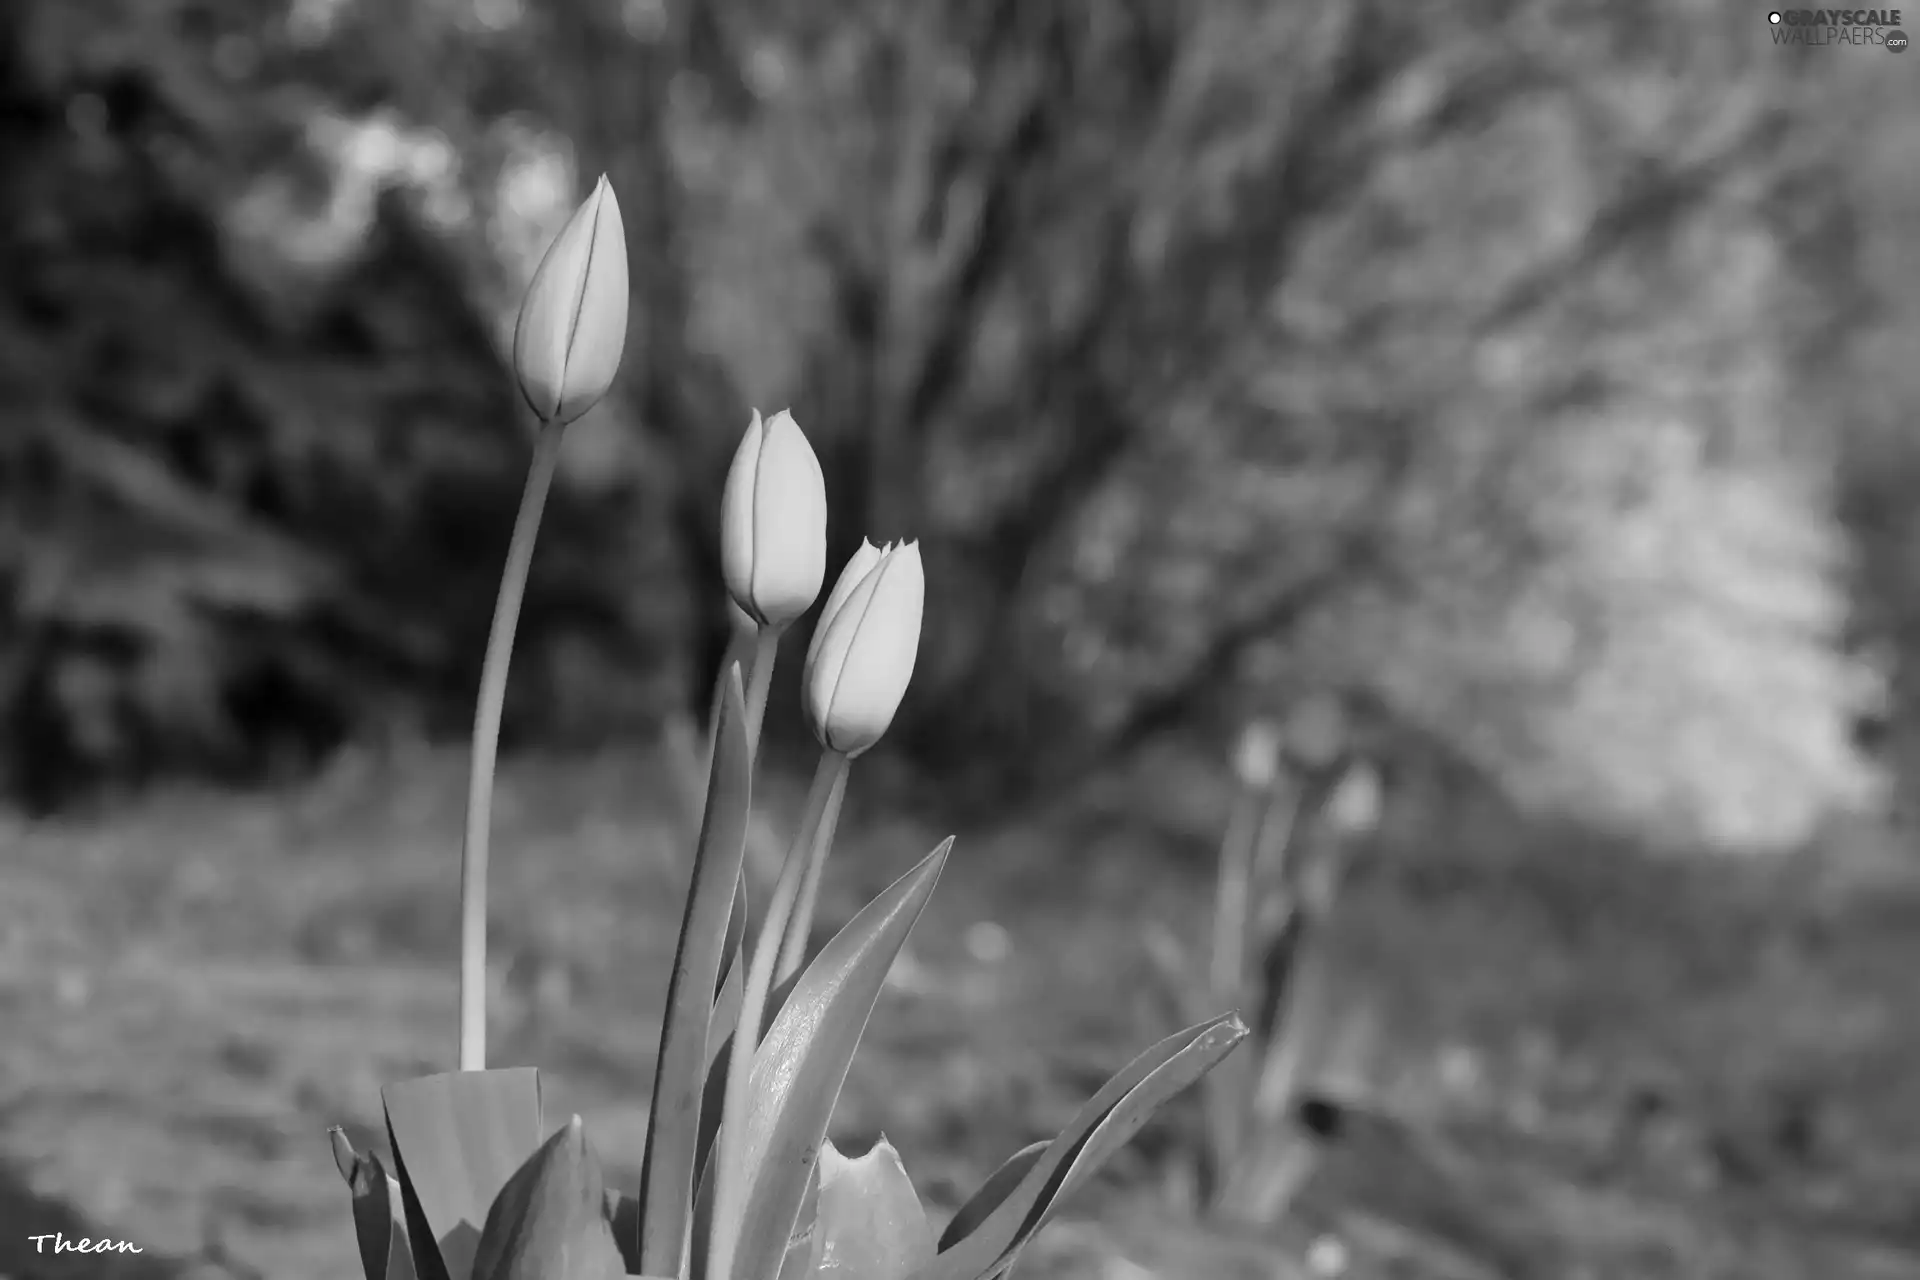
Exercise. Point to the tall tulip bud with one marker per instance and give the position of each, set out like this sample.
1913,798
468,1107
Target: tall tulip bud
573,321
862,653
773,523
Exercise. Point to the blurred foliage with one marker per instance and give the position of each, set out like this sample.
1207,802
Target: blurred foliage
1523,368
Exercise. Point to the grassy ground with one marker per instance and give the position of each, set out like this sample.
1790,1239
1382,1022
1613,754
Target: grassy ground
1587,1063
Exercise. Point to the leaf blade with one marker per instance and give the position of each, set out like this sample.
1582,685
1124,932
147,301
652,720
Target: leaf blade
550,1220
869,1223
979,1251
457,1137
802,1062
991,1193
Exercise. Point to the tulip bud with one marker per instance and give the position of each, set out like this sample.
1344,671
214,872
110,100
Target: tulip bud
773,523
573,321
863,650
1256,757
1354,808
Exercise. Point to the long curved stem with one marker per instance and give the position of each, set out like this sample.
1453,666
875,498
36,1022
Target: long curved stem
486,747
823,804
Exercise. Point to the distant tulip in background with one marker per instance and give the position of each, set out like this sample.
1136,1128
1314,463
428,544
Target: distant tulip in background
773,523
573,321
1354,807
1305,803
738,1181
1256,756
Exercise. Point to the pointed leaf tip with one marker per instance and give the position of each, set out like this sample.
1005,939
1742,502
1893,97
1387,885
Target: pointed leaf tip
802,1062
345,1159
1000,1220
379,1215
550,1221
457,1138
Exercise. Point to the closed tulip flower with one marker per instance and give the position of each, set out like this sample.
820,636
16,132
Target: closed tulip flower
573,321
773,523
863,651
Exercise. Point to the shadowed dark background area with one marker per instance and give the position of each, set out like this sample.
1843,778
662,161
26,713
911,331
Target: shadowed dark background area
1534,379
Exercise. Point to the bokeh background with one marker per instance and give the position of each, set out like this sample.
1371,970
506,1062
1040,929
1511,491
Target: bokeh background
1533,378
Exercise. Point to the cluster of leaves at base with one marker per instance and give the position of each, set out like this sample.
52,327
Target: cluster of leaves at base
476,1195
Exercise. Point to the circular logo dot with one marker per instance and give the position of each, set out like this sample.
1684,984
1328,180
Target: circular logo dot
1897,41
1774,17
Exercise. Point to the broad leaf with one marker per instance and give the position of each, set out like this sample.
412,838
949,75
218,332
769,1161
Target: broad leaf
992,1193
550,1220
726,1012
379,1212
1128,1118
1108,1119
870,1224
457,1137
623,1211
802,1063
804,1243
667,1168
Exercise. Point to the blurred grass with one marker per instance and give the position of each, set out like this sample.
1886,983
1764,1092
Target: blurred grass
1621,1066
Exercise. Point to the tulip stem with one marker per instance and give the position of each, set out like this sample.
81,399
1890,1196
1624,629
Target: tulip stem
822,814
766,650
1233,893
486,746
740,650
793,947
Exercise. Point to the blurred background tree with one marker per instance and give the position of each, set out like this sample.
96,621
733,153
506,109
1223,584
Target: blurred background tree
1528,371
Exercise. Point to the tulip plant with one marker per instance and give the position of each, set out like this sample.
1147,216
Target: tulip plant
1287,844
738,1180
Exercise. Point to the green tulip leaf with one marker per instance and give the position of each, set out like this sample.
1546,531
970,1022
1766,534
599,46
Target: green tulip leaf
802,1062
869,1224
1108,1120
736,939
623,1211
726,1013
726,1009
667,1167
991,1194
550,1221
1127,1119
703,1214
379,1212
802,1260
457,1137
